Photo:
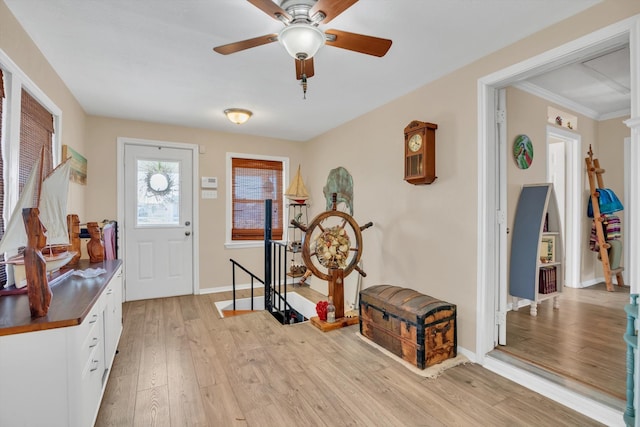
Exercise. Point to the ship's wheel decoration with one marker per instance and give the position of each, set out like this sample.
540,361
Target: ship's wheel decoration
332,247
331,250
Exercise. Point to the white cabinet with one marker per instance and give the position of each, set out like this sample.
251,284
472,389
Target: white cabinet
536,269
113,317
56,376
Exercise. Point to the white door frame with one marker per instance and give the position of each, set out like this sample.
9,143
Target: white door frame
573,202
626,231
500,336
121,142
488,267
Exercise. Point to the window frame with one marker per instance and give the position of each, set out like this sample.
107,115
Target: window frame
15,81
235,244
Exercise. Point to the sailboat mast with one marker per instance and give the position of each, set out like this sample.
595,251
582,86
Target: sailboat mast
40,173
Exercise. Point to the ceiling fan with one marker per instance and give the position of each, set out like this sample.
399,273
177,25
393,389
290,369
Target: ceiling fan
301,36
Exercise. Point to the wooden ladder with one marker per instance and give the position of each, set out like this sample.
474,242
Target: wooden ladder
595,178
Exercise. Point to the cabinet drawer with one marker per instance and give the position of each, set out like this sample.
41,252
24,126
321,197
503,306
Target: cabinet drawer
91,387
91,341
89,322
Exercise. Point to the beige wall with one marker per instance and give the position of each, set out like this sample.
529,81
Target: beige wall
215,268
17,45
424,237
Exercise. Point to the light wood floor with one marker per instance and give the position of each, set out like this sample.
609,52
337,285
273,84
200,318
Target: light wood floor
179,364
583,340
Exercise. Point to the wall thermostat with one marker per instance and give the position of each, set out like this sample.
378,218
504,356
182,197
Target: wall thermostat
209,182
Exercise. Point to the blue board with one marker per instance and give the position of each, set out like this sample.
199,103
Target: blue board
523,268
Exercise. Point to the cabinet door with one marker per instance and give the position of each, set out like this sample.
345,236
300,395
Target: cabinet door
30,374
91,382
112,317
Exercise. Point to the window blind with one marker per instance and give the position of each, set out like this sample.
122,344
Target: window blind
253,182
36,131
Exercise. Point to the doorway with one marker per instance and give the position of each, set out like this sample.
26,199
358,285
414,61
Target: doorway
157,194
490,287
564,170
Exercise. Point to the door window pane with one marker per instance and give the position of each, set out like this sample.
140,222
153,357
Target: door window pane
158,193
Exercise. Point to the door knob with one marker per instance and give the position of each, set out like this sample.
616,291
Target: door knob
187,233
188,223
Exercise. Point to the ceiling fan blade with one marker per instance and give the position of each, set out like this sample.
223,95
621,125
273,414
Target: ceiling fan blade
331,8
358,42
246,44
304,67
271,9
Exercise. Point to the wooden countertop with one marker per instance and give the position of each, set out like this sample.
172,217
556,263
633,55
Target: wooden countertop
73,298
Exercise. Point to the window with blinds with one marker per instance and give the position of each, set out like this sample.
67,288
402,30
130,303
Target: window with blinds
36,131
253,182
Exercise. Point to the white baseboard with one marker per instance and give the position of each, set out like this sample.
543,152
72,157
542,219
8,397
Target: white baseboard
595,281
468,354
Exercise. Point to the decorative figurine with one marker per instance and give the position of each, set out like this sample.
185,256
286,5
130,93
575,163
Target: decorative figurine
95,247
38,288
73,225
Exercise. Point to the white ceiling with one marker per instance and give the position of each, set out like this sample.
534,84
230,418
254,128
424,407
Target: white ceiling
152,60
598,86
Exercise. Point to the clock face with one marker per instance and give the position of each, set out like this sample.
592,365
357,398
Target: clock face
415,142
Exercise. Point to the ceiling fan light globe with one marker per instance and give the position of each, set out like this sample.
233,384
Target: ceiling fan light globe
301,40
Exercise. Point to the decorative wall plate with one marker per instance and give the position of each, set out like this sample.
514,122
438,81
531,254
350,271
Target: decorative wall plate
523,151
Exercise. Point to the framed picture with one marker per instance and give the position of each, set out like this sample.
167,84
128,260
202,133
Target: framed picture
78,165
548,249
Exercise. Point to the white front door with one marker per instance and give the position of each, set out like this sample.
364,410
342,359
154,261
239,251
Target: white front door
158,221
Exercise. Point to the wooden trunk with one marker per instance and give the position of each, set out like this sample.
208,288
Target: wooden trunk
416,327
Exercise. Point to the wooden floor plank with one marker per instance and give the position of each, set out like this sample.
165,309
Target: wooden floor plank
153,367
152,408
118,403
221,405
185,401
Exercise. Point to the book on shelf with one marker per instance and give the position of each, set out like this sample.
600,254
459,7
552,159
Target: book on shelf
547,281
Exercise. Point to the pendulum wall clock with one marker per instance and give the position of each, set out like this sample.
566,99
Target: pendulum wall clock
420,152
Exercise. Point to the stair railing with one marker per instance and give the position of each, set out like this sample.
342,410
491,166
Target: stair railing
275,275
233,285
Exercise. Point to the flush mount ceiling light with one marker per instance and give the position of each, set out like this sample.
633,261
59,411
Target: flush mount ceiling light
237,115
301,41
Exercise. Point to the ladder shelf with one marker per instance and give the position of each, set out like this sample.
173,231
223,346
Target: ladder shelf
594,172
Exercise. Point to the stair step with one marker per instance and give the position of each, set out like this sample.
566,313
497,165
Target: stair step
231,313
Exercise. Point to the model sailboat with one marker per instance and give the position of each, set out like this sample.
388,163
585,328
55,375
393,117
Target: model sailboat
297,191
49,195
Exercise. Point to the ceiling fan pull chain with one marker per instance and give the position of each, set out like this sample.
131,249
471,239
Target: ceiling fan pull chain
303,82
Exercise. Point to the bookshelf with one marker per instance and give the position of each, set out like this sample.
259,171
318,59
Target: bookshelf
536,269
